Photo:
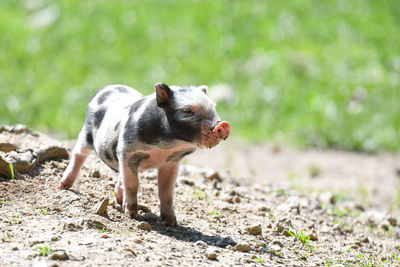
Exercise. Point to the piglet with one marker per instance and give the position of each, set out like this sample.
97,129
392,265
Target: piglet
131,133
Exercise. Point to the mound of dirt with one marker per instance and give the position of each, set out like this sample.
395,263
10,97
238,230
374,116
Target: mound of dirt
24,149
223,221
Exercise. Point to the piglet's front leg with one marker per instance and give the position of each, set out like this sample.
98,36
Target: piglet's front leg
166,180
129,178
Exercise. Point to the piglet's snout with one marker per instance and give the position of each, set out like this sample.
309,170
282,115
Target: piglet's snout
222,130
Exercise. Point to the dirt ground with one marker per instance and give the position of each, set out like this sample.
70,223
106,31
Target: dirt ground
236,204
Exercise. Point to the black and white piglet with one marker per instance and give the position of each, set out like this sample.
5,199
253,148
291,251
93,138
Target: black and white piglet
131,132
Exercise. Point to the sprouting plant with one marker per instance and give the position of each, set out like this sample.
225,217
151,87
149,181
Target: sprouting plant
12,171
44,250
112,196
315,170
215,213
259,259
104,230
272,217
303,237
200,194
44,211
280,192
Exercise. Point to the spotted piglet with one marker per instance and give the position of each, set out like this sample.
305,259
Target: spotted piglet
131,133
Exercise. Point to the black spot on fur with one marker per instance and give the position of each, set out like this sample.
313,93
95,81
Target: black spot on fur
129,130
108,156
178,155
89,138
114,150
99,116
153,125
103,97
136,106
122,89
116,127
135,160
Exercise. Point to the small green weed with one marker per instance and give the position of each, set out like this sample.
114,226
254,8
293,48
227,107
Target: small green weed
215,213
340,212
259,259
280,192
44,250
12,171
315,170
199,194
303,237
104,230
44,211
2,200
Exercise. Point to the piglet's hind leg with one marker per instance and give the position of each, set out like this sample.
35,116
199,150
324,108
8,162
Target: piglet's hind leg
79,155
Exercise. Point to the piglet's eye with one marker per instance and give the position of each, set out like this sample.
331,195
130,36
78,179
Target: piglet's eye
188,111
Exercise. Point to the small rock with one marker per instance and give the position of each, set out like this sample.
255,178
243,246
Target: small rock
254,230
144,226
101,207
111,184
228,199
226,241
186,181
277,242
392,220
264,208
283,226
72,226
15,248
143,208
105,235
211,254
327,198
242,247
385,225
93,224
292,204
313,237
212,175
59,256
201,244
236,199
95,174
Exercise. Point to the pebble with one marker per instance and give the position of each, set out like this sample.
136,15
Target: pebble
201,244
101,207
211,254
277,242
59,256
212,175
105,235
283,226
95,174
242,247
144,226
254,230
292,204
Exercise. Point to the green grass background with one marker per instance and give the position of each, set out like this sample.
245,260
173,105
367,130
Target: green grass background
307,73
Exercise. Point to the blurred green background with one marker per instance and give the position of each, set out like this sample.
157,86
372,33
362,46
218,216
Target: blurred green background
305,73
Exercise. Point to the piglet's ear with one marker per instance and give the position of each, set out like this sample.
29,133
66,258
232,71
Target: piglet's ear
163,94
204,88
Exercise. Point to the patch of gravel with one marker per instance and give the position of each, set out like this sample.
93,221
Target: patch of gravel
223,221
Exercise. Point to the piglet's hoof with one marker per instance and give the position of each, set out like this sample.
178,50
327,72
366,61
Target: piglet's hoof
169,219
130,209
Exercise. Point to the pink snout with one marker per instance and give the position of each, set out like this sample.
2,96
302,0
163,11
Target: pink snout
222,130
